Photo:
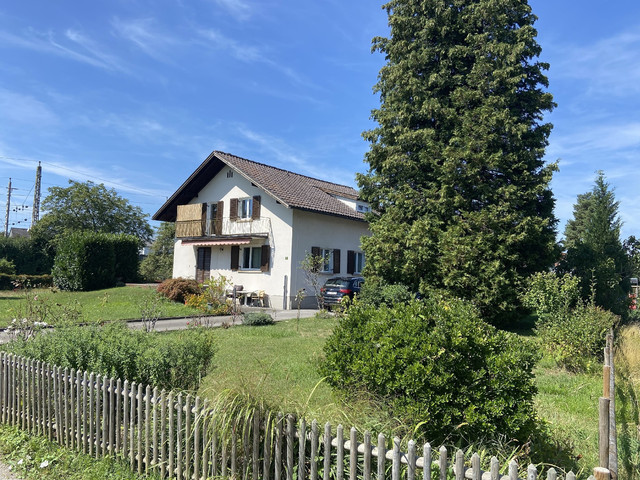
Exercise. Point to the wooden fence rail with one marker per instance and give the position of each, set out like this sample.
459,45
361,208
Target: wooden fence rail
177,435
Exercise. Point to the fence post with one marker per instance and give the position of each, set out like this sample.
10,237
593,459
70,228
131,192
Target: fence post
604,433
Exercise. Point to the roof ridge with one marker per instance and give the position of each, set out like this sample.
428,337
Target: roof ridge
284,170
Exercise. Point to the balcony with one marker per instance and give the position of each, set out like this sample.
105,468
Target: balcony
211,228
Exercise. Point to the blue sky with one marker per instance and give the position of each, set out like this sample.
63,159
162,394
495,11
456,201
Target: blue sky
135,94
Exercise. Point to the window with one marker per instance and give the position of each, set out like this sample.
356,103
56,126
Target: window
359,262
230,173
251,258
363,208
327,259
245,207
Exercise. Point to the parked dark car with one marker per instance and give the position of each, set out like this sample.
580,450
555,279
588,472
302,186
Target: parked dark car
336,288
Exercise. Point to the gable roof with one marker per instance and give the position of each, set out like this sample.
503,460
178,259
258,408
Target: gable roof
291,189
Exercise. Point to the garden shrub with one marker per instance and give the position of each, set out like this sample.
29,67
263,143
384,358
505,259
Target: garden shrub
7,267
177,289
376,292
576,340
29,255
213,297
10,282
571,331
257,319
437,367
178,361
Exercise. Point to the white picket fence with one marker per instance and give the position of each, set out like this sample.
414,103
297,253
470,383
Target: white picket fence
179,436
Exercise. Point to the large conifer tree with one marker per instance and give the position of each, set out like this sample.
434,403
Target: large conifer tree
456,178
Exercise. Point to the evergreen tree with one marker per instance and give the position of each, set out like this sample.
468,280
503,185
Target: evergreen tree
595,253
158,265
456,177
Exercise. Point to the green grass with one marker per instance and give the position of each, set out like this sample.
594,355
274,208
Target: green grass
120,303
278,366
33,457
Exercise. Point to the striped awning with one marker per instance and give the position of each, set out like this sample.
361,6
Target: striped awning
217,241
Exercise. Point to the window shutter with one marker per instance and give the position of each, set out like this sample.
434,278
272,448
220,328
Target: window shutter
235,257
219,216
336,260
266,254
233,210
315,252
255,215
351,262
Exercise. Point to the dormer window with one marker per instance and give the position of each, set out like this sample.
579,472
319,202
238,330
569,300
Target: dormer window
363,208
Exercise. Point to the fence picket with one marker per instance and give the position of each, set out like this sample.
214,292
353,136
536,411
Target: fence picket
102,416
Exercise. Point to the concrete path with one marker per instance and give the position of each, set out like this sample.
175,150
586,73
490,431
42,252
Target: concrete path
167,324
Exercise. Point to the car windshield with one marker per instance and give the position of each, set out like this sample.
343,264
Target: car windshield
337,282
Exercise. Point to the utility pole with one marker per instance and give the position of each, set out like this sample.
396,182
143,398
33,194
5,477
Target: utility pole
35,216
6,218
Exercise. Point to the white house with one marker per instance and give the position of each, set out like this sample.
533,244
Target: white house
254,224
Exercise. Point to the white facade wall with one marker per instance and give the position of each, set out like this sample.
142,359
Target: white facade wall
275,282
324,231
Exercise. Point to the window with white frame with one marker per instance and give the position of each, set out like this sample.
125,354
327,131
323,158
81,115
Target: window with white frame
327,260
363,208
251,258
245,207
359,262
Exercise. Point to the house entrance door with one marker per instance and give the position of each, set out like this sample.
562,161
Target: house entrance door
203,264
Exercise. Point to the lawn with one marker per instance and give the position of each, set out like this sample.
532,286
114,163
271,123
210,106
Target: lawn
278,365
121,303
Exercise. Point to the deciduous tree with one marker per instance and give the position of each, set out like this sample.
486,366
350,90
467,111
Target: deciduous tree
85,206
456,177
158,265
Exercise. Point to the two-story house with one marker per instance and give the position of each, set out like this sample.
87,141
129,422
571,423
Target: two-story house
254,224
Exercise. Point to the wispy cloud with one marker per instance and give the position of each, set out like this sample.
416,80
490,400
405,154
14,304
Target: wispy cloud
240,9
146,36
21,109
610,66
89,52
252,54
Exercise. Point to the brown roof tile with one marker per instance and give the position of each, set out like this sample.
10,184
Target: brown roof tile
291,189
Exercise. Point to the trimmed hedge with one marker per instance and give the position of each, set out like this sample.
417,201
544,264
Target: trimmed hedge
29,255
91,261
35,281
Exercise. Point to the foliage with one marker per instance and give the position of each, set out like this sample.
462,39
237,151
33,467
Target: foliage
85,206
632,249
257,319
212,298
571,331
551,295
91,261
436,365
9,282
594,251
311,266
116,351
158,265
7,267
151,311
30,256
177,289
457,183
377,292
576,339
